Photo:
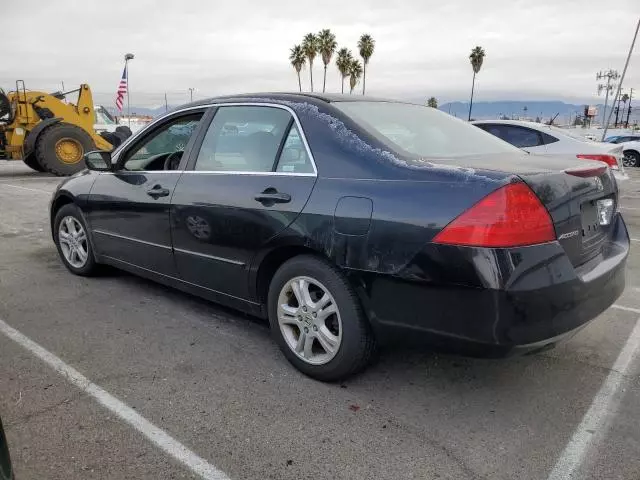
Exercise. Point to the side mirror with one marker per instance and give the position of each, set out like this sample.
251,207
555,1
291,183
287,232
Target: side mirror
99,161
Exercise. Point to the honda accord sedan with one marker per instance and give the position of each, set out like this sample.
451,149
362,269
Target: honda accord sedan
350,222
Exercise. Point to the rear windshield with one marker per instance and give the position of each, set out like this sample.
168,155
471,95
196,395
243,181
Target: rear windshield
422,132
573,133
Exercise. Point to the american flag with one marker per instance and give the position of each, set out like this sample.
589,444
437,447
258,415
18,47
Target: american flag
122,89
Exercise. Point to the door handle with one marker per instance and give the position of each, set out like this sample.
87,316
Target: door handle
271,196
157,191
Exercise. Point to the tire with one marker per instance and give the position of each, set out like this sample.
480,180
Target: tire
48,156
31,162
631,158
89,267
356,345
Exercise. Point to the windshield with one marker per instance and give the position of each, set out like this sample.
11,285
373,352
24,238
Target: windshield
103,117
420,131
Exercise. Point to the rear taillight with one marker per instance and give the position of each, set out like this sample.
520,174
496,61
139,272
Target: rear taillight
511,216
608,159
586,172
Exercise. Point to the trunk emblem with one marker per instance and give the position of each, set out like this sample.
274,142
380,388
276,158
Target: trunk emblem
569,235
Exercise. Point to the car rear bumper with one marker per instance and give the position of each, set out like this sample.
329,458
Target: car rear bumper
495,301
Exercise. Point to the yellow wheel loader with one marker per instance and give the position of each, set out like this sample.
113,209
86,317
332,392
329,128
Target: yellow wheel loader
48,134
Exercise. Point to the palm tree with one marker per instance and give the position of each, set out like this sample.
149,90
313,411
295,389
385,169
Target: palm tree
432,102
476,58
624,99
298,60
355,72
366,45
343,62
310,49
327,47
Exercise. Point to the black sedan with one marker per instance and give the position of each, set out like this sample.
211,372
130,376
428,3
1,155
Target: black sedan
349,222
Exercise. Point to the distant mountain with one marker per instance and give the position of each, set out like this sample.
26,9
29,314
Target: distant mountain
515,109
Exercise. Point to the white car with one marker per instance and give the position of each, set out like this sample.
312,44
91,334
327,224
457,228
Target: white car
631,151
541,139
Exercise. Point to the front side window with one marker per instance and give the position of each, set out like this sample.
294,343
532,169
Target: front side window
243,139
171,138
417,131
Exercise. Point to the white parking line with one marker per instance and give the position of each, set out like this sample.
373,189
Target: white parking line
628,208
25,188
157,436
603,405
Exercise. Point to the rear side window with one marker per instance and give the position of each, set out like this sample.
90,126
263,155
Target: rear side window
294,157
244,139
547,139
520,137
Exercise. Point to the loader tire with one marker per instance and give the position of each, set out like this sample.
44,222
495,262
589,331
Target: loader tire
32,162
60,149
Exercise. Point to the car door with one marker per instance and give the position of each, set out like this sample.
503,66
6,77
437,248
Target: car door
129,208
525,138
246,183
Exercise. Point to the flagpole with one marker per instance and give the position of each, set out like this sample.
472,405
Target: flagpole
127,57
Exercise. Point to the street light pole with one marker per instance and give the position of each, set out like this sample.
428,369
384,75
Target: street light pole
127,57
191,93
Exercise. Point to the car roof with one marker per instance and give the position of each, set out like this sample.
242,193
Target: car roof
315,98
522,123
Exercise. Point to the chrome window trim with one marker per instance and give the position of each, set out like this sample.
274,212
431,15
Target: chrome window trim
222,172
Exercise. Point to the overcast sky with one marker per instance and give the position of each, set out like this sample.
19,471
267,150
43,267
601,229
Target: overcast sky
536,49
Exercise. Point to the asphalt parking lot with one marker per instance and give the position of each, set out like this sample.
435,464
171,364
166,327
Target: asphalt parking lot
213,381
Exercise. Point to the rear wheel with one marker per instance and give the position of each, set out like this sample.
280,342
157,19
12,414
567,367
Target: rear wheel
32,162
317,320
631,159
60,148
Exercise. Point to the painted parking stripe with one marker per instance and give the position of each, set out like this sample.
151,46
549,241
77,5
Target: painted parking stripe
602,407
39,190
627,309
157,436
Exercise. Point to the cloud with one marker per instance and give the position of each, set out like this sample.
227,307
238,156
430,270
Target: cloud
543,49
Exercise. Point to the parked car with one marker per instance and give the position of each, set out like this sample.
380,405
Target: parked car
6,472
622,138
349,222
631,152
541,139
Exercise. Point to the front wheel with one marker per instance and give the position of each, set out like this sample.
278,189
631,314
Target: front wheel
631,159
71,237
317,320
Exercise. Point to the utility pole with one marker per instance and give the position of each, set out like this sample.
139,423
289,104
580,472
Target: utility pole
191,93
624,72
166,105
626,124
609,75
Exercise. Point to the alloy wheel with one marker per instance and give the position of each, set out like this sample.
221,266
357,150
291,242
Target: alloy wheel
309,320
73,242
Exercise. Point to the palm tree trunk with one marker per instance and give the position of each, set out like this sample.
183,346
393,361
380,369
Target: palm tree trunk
311,74
364,76
342,83
299,82
473,84
324,81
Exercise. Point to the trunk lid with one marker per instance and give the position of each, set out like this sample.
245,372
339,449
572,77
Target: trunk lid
574,202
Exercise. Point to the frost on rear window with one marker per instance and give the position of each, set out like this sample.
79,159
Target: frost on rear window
352,142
